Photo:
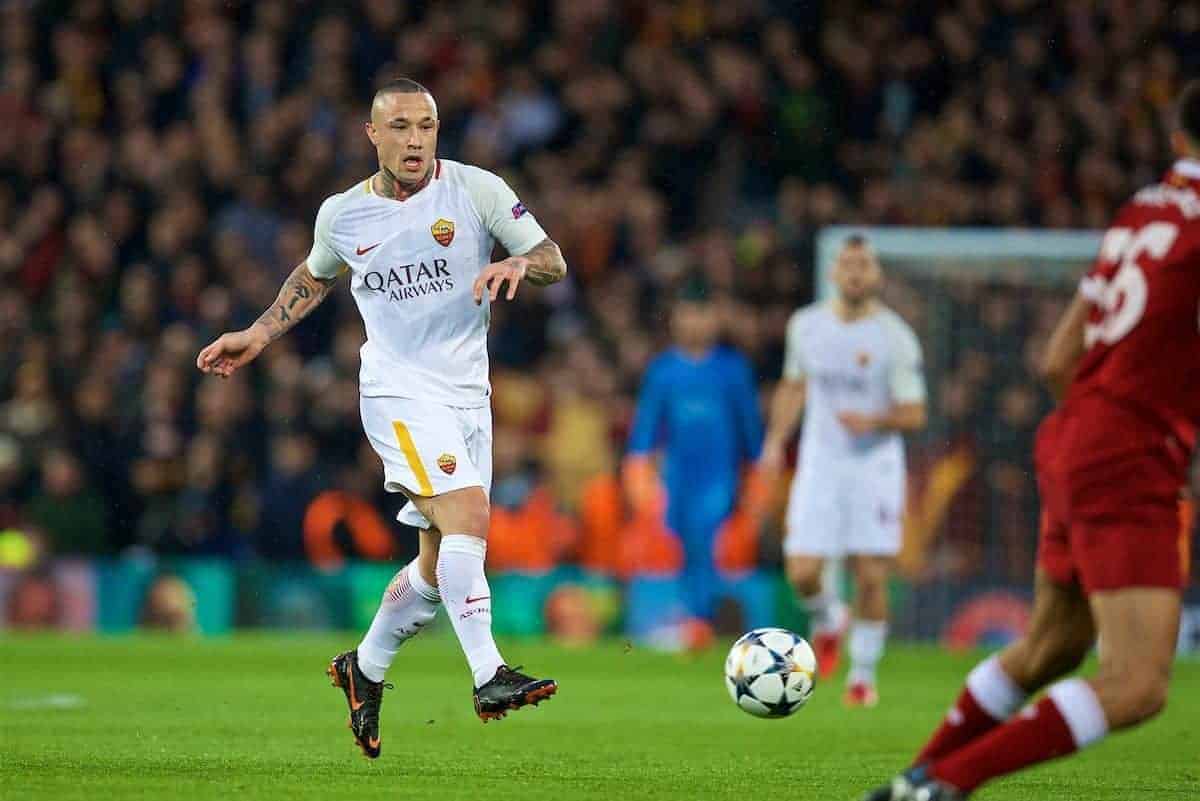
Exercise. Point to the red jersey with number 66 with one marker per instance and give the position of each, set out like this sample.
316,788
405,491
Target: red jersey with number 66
1142,337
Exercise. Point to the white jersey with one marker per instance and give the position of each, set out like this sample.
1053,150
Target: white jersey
864,366
413,264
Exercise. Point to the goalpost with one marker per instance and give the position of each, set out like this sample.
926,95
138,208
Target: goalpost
1022,255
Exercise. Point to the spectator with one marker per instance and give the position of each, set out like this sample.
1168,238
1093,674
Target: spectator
528,534
71,513
290,487
160,171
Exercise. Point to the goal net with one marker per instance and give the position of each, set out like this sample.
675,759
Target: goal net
983,303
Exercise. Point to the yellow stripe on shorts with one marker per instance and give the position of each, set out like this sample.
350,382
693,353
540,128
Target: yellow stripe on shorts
424,488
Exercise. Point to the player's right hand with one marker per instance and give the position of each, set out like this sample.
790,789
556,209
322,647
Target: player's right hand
231,351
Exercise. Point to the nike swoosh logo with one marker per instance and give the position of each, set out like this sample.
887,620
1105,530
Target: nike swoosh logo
355,704
471,600
361,251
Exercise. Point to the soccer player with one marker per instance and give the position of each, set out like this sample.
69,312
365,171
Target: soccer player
416,238
698,405
1111,462
853,366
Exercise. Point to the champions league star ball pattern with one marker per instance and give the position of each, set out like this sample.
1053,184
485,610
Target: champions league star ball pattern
769,672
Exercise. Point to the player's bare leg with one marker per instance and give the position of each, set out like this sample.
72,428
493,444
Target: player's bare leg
429,542
1061,632
409,603
868,630
1138,627
827,614
463,518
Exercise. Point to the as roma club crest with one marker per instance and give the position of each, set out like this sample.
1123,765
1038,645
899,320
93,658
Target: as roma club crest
863,359
443,232
447,462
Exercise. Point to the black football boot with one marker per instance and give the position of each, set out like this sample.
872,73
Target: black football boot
508,690
364,697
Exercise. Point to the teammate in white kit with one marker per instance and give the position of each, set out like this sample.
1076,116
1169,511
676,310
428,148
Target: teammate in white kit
416,239
853,366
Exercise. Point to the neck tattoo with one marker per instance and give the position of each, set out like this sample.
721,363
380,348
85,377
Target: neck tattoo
391,186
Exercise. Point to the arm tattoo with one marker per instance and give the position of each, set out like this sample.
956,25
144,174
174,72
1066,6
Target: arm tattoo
546,264
301,293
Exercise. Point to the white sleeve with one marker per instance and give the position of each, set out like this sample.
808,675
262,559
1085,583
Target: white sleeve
907,378
323,261
793,351
504,216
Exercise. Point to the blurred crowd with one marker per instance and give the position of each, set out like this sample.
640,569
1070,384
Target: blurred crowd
161,165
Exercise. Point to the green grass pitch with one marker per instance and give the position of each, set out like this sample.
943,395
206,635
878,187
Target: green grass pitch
253,717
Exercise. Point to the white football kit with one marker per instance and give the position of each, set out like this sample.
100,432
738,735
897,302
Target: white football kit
425,402
847,496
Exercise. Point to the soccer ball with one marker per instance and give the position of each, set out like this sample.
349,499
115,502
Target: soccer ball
769,672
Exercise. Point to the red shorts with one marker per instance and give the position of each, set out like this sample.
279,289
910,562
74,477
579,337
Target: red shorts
1112,516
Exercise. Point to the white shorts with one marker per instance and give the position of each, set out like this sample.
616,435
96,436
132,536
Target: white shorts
428,449
853,505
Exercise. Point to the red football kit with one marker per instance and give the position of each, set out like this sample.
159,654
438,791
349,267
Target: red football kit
1111,461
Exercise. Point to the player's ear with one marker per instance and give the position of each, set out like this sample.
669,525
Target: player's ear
369,127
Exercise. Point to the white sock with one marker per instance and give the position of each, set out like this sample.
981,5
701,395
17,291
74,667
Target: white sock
1077,703
826,613
467,598
408,605
866,647
993,689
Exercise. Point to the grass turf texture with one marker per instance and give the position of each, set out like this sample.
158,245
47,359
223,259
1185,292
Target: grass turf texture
254,717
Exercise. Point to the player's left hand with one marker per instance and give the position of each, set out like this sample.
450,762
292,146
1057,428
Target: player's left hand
857,423
492,279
